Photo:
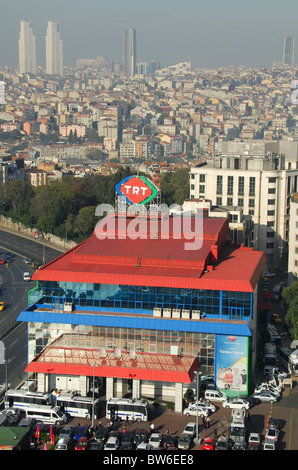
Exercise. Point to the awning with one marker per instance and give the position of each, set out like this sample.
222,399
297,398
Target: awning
142,366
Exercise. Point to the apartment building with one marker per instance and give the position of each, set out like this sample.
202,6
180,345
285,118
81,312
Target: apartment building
261,186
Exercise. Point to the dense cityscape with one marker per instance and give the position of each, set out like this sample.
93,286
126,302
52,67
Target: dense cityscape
137,343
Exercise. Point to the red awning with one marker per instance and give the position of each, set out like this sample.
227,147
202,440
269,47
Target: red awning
143,366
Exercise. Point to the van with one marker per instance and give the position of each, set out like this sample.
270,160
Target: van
46,414
26,277
215,395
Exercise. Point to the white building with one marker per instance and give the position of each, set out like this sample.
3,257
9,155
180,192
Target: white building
54,50
261,186
27,48
293,240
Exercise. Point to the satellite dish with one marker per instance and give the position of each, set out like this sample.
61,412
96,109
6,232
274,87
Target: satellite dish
132,354
117,353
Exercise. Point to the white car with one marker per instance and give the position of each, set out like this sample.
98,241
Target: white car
112,443
267,387
265,395
196,410
269,445
155,440
145,446
208,406
190,429
272,433
236,404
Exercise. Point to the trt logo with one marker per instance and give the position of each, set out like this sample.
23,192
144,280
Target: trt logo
136,190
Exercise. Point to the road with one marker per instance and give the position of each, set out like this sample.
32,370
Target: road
14,293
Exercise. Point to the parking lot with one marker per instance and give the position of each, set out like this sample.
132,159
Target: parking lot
286,410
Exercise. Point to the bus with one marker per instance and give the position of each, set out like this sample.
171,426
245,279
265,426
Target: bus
289,359
22,399
270,354
276,291
46,414
125,408
274,337
76,405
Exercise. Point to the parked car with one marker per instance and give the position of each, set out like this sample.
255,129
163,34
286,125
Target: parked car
203,404
82,443
2,305
265,396
270,388
184,441
215,395
26,277
63,443
208,444
1,261
236,403
95,445
254,441
81,431
276,318
272,434
190,429
274,423
112,443
222,443
269,445
127,445
67,431
196,410
169,441
101,435
155,440
140,435
144,446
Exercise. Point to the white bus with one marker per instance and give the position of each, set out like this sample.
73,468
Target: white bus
124,408
23,398
46,414
76,405
289,359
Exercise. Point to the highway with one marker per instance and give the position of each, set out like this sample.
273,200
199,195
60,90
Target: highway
14,292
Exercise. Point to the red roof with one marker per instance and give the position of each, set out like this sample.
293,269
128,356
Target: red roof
157,367
159,259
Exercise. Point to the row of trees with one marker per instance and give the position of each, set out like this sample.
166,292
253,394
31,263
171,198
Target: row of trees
66,208
290,295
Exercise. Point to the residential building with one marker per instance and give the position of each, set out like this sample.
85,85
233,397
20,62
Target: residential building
261,186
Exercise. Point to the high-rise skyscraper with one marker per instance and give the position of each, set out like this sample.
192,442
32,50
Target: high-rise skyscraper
288,56
54,50
129,52
27,48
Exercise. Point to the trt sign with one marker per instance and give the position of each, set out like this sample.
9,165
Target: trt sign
136,190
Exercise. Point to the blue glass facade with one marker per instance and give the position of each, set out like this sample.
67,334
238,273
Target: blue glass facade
214,304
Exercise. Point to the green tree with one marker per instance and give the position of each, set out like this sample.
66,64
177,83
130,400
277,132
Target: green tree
290,294
85,221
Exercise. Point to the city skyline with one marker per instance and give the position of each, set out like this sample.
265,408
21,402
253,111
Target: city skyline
240,35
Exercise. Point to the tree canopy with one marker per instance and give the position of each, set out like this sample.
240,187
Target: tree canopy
290,294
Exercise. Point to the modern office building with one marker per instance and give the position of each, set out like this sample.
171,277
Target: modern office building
129,52
54,50
288,56
143,303
27,48
261,186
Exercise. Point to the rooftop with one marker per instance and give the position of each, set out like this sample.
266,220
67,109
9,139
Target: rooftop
136,252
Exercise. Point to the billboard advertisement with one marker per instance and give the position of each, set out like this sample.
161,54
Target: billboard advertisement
231,364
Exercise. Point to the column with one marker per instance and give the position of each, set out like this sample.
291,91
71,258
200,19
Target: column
178,397
136,388
109,388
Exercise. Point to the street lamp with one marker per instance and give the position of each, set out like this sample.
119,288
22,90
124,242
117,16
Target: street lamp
93,388
198,375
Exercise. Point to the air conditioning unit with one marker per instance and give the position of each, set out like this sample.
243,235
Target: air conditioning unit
196,314
167,313
185,314
67,307
157,312
176,313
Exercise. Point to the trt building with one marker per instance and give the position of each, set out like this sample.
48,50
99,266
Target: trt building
140,306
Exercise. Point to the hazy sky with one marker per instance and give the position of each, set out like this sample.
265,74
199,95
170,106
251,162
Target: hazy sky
207,33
